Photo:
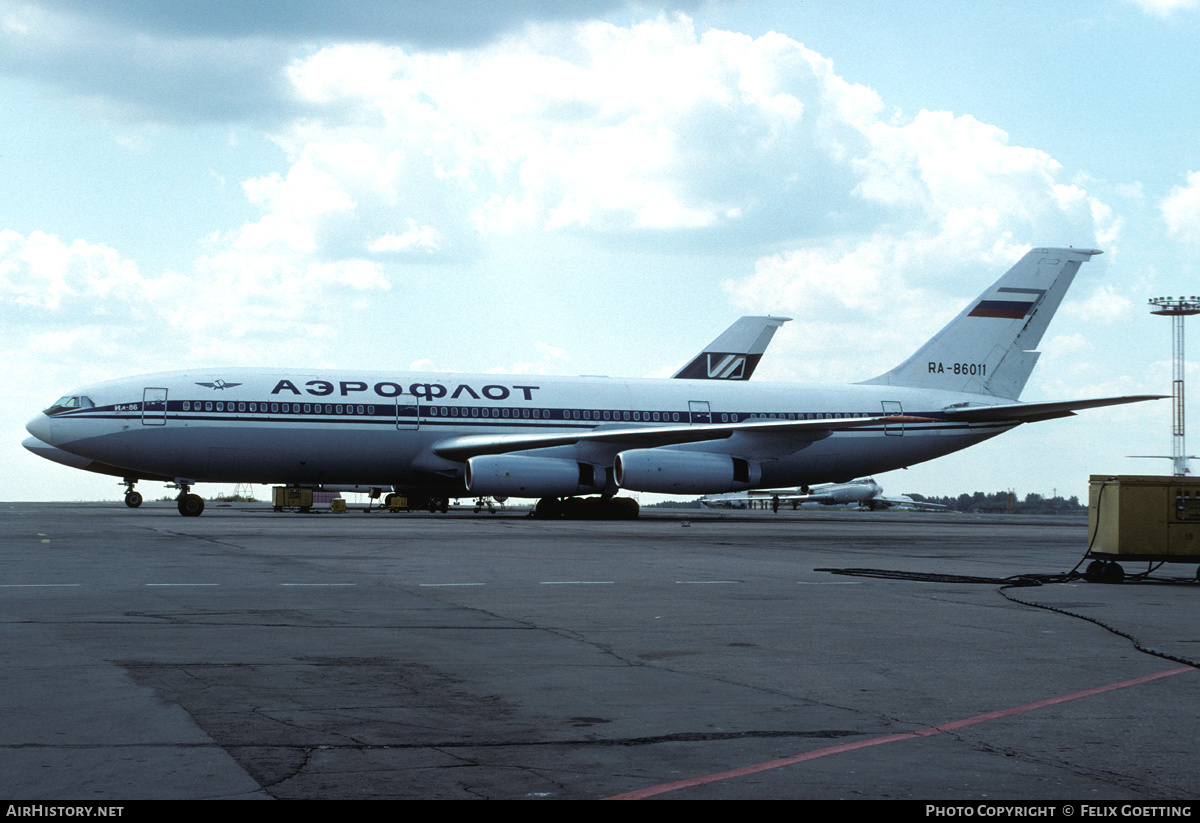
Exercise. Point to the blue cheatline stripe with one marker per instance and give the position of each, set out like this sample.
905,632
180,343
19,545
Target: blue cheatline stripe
389,420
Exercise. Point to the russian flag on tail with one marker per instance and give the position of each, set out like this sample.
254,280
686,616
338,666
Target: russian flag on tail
1009,303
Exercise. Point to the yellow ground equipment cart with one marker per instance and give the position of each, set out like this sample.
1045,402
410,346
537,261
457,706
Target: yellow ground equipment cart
1141,517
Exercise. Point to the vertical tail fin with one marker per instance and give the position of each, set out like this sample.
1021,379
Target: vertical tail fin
988,348
735,353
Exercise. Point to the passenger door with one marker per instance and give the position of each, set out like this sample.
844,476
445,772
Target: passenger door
891,407
154,407
699,412
408,413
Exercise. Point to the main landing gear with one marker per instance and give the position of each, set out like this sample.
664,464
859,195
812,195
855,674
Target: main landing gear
587,508
132,499
190,505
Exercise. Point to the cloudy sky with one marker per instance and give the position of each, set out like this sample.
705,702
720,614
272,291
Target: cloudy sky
594,188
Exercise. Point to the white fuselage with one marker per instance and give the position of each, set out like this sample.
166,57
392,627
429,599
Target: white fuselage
377,428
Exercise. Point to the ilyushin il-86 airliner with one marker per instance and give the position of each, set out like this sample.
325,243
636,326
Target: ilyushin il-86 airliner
437,436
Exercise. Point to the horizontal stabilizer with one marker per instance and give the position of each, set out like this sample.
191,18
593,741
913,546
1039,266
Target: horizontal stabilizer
1031,412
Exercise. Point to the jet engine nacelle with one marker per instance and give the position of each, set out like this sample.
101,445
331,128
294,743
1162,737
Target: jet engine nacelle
678,472
506,475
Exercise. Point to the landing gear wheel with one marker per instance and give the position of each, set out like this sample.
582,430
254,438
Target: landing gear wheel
573,508
548,508
191,505
626,508
133,499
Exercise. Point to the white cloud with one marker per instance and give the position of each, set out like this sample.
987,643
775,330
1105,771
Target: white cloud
1104,305
656,127
42,275
1181,209
1064,345
550,360
1163,8
597,128
415,238
110,314
296,207
223,61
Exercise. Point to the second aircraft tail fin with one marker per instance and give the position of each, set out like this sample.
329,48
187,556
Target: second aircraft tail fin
989,347
735,353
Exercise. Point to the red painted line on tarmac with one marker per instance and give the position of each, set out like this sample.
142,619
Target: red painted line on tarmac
664,788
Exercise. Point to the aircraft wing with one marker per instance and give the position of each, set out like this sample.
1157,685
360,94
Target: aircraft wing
905,500
794,497
783,496
649,437
1031,412
823,499
790,496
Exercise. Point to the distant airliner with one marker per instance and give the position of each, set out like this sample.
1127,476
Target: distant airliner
438,435
865,492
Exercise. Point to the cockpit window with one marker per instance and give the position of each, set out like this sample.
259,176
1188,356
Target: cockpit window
69,403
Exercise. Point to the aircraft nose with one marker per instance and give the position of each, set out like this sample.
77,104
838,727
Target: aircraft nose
41,427
38,447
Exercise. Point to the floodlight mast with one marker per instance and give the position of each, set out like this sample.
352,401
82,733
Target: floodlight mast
1177,308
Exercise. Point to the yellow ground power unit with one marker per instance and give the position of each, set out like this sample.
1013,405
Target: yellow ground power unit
1142,517
289,498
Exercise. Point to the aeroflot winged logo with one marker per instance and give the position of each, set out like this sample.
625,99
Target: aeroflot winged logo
219,384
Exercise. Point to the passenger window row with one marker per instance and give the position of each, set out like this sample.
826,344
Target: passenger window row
496,413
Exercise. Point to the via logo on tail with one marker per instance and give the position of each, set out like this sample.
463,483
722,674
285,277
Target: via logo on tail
735,353
728,367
